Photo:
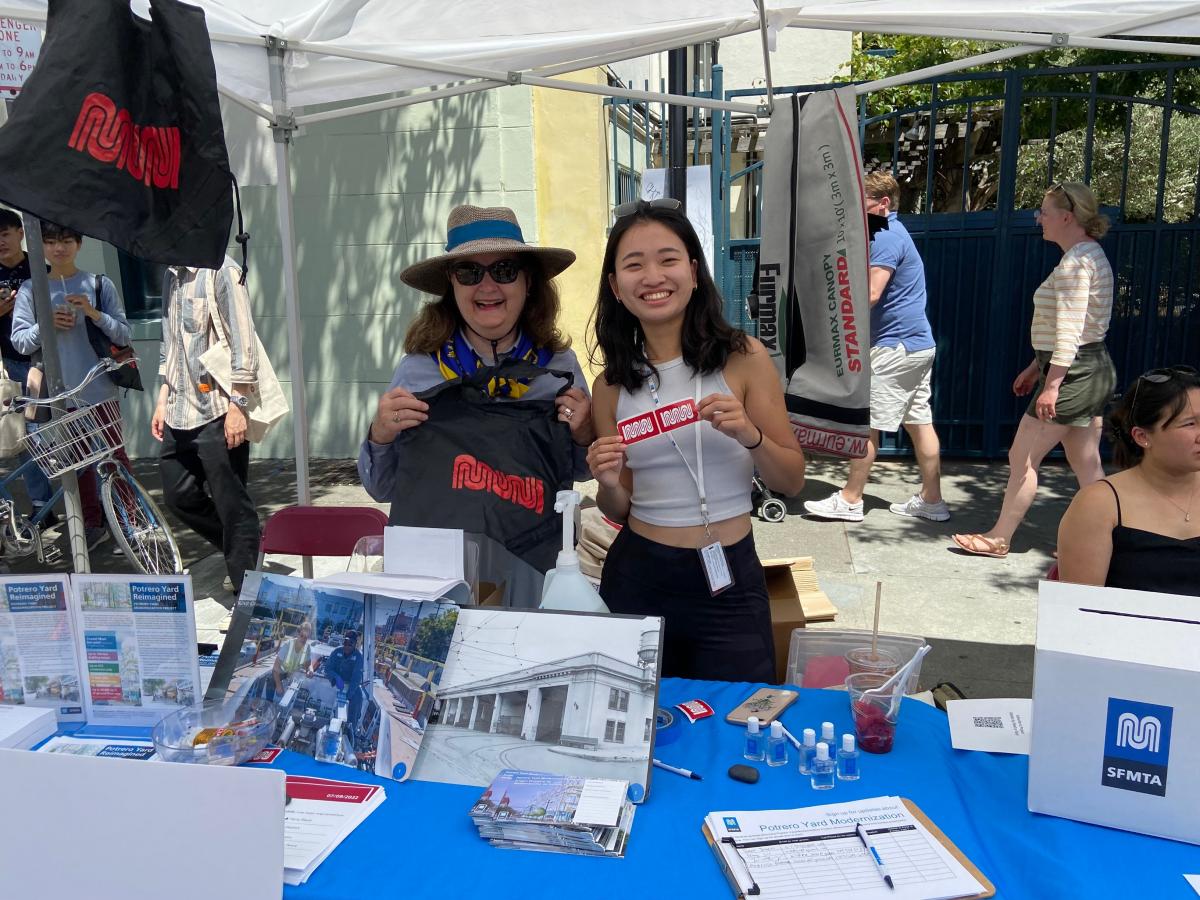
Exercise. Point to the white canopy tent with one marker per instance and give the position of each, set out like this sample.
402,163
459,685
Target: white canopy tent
355,56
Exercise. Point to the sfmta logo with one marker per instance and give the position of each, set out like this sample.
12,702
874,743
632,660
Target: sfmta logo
1137,746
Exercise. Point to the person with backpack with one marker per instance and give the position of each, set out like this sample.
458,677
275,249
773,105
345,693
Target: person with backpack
76,297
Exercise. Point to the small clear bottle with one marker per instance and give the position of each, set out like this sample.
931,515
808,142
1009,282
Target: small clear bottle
822,774
847,760
808,749
827,734
754,741
776,746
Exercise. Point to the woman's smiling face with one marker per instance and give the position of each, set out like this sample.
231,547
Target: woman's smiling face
489,308
653,277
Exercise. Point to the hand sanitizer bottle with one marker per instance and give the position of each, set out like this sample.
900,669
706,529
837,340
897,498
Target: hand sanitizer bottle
565,587
827,733
754,741
847,760
808,749
822,775
776,746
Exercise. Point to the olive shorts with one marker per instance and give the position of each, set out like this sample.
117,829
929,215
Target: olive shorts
1086,389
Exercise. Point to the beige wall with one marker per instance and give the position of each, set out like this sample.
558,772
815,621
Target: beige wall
571,166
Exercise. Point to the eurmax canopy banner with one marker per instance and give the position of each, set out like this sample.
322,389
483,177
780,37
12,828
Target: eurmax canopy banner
117,133
813,310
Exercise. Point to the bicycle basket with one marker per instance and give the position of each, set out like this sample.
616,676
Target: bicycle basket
76,439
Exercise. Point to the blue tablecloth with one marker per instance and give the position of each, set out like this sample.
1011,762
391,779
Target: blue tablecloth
421,842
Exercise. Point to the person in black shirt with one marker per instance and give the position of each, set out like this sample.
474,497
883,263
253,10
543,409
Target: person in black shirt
344,669
14,270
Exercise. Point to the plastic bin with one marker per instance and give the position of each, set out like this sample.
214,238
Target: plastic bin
817,657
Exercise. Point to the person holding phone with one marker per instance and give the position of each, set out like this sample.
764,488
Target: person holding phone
74,297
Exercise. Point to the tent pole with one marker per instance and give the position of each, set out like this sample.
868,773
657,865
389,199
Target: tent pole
457,90
257,108
766,51
648,96
284,127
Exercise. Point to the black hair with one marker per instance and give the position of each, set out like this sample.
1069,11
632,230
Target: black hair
53,232
1147,404
616,335
9,219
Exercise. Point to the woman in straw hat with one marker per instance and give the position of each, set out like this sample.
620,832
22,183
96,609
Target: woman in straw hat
495,300
688,408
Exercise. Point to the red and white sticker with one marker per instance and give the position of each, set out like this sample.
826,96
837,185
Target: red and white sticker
265,755
694,709
658,421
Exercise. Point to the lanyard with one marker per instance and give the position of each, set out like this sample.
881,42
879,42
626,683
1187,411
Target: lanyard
698,475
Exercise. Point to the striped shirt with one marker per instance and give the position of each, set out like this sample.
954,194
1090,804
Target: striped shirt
1073,305
193,397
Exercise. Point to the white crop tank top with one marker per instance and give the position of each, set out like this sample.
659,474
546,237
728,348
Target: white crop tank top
664,492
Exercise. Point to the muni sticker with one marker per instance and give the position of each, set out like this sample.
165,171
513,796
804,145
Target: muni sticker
1137,743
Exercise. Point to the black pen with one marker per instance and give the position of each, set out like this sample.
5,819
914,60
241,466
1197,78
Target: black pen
862,836
678,771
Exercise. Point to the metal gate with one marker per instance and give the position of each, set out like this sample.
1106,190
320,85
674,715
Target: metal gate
973,159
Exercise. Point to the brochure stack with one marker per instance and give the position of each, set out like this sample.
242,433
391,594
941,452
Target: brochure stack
555,813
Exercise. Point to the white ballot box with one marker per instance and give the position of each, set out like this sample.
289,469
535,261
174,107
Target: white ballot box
1116,709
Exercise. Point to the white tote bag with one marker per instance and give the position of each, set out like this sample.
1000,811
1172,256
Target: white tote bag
12,422
267,403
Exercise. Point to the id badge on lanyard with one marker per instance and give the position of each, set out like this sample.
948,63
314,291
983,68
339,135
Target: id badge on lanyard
712,554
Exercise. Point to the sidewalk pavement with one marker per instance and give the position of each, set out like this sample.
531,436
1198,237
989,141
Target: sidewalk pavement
978,613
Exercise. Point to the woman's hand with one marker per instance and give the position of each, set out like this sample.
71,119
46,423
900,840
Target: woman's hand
398,410
1027,380
575,408
606,459
1046,402
728,416
81,304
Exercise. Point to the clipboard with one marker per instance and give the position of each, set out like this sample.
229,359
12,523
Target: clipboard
989,890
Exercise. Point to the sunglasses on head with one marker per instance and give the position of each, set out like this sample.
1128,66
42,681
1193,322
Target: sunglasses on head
1159,376
636,206
469,274
1062,188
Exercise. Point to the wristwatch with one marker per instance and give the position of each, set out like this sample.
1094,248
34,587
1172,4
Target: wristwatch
239,400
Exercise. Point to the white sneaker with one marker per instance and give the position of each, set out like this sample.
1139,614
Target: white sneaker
916,507
835,507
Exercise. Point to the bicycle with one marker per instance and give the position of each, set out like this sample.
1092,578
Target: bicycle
81,437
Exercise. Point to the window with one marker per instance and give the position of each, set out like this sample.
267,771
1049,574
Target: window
141,286
618,700
614,732
629,185
646,733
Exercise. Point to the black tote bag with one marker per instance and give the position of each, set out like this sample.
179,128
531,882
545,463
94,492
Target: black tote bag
488,466
117,133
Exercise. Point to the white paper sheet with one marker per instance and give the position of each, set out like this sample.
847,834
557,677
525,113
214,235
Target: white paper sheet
423,552
319,815
996,726
600,801
137,646
1194,881
39,660
814,852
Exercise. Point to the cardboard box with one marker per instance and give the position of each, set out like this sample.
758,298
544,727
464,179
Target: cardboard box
490,594
1116,709
795,600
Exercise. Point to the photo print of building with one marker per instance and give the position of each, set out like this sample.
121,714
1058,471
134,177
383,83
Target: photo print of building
354,674
547,692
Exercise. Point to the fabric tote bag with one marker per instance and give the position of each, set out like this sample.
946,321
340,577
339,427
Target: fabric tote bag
487,466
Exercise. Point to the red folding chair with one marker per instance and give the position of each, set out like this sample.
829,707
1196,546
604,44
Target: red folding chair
319,530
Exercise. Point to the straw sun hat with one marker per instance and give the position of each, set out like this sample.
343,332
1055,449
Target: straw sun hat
479,229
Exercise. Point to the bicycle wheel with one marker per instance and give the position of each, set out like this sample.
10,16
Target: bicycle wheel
138,525
22,540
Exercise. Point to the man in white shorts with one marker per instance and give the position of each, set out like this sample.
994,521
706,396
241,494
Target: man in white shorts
902,351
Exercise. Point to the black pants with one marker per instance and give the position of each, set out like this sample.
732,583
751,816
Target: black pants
722,638
224,514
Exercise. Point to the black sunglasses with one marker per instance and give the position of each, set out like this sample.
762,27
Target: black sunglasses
469,273
636,206
1063,188
1159,376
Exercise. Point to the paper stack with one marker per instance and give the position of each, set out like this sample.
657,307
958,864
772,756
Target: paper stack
319,815
555,813
21,727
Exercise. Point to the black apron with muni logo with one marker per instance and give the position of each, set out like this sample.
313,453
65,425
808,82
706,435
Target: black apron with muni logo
488,466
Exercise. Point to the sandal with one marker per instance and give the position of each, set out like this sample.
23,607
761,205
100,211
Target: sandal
978,545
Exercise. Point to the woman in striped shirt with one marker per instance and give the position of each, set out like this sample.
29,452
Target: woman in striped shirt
1071,371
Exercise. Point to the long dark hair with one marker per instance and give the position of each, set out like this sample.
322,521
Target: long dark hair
615,340
1159,396
437,321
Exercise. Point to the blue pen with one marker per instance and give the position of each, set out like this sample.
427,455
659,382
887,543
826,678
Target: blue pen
862,836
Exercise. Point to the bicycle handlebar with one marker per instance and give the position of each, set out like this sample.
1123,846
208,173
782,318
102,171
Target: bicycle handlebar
102,367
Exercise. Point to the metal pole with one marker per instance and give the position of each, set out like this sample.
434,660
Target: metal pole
284,127
53,381
676,181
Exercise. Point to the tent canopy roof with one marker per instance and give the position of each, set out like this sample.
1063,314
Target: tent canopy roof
345,51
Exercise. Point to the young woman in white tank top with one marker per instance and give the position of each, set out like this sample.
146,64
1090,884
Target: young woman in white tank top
686,408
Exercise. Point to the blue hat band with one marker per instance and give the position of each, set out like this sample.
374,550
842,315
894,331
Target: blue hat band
483,230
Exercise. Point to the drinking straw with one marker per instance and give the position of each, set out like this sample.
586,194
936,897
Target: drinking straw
875,630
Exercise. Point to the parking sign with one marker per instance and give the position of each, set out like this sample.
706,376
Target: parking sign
19,45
